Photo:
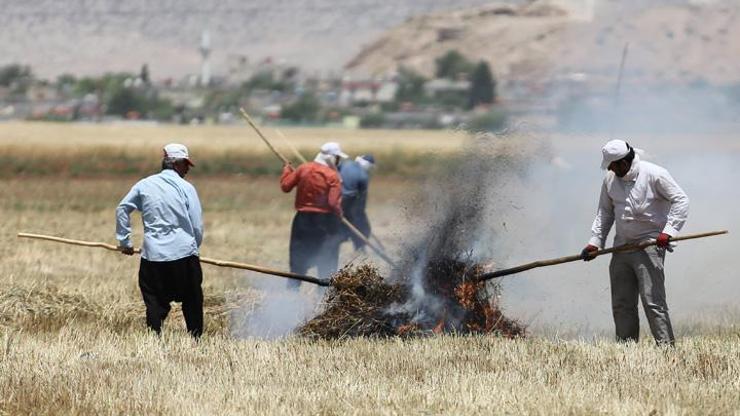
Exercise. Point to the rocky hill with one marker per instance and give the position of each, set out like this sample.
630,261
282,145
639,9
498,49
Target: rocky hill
683,42
93,36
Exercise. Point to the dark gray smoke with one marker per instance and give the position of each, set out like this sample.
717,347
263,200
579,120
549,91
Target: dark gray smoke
451,221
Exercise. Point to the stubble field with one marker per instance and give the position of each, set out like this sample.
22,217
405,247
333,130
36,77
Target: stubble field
72,337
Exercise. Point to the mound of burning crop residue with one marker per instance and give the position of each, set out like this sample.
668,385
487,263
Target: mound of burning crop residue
361,304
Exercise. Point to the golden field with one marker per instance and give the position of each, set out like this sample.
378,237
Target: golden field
72,336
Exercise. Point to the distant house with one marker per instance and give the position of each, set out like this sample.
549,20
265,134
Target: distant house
367,92
442,86
42,93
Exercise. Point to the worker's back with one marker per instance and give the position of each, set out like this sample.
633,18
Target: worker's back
354,178
317,187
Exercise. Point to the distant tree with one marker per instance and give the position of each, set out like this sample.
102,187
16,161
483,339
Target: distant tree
453,65
129,100
13,73
161,109
372,120
66,79
144,74
66,82
86,85
264,81
220,100
305,109
410,86
125,100
482,86
17,77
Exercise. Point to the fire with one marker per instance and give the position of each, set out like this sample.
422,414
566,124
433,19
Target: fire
453,300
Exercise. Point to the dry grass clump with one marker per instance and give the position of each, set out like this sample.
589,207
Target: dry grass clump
361,304
356,305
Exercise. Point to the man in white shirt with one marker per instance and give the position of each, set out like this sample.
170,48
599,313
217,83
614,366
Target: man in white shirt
643,202
173,231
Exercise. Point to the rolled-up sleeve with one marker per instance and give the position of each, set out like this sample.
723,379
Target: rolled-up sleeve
128,204
667,187
604,219
289,178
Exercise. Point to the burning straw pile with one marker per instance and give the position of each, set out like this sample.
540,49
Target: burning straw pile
436,288
361,304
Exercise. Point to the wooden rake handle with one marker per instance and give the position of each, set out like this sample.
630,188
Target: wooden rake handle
561,260
262,136
215,262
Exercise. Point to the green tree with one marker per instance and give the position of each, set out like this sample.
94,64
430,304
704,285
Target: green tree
66,82
86,85
264,81
224,99
125,100
410,87
305,109
453,65
372,120
482,86
17,77
144,74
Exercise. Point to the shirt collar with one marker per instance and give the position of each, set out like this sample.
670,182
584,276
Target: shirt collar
326,160
169,172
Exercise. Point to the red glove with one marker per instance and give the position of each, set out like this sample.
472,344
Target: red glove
587,253
663,240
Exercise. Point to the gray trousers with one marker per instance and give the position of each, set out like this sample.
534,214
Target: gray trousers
640,274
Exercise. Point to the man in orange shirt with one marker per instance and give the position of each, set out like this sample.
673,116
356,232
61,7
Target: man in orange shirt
315,235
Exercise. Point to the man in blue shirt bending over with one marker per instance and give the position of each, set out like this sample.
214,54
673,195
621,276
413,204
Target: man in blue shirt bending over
355,180
173,231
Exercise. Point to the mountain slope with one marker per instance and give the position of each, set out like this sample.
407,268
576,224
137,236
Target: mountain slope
667,42
93,36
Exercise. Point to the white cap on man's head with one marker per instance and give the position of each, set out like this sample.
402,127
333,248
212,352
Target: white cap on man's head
613,151
177,151
333,149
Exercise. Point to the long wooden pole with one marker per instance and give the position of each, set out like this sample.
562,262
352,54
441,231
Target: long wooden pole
215,262
561,260
262,136
290,145
344,220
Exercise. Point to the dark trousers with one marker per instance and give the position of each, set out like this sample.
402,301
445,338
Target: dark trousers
162,282
314,241
354,211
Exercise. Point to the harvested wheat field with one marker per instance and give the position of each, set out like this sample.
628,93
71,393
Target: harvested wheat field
72,333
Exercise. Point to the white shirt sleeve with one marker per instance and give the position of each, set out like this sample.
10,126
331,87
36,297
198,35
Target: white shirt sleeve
667,187
128,204
604,219
195,213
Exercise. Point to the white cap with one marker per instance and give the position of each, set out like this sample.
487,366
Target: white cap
613,151
177,151
333,149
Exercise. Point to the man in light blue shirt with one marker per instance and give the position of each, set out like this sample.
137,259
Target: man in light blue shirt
173,231
355,181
